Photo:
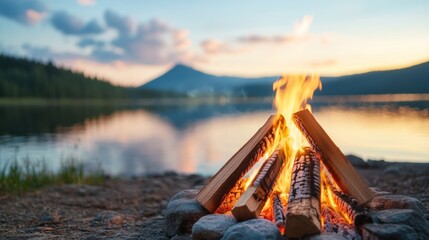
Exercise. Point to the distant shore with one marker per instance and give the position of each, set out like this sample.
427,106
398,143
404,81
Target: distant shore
134,207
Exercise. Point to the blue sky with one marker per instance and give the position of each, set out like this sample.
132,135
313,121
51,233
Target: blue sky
130,42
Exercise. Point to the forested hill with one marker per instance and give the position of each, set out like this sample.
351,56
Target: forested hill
23,78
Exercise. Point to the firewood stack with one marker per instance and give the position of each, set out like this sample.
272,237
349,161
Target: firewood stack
225,191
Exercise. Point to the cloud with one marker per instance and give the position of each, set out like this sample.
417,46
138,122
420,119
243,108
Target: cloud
322,63
153,43
213,46
89,42
301,27
27,12
299,33
70,25
124,25
86,2
46,53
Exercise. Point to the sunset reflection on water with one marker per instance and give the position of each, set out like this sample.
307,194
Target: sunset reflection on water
142,141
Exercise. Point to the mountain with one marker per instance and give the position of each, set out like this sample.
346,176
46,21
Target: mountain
24,78
414,79
183,79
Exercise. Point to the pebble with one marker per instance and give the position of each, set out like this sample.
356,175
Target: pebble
393,170
110,217
212,227
404,216
398,202
388,231
181,214
185,194
182,237
357,161
255,229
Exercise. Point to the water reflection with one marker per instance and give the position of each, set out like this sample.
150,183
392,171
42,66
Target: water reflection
201,138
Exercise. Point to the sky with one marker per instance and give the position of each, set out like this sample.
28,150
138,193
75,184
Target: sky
131,42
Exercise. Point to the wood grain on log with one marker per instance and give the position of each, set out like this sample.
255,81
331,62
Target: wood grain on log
279,211
251,202
212,195
303,210
338,165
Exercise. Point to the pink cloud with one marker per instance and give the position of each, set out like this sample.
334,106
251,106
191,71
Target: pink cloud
213,46
33,16
86,2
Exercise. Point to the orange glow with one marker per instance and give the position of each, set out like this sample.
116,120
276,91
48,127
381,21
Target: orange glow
327,198
292,94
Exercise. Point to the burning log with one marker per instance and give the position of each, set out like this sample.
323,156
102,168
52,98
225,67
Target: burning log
347,205
232,197
350,207
251,202
212,194
303,211
333,223
279,212
335,161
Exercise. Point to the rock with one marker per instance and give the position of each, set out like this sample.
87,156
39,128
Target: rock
404,216
185,194
397,202
182,237
357,161
379,192
393,170
388,231
255,229
212,227
181,214
110,217
324,236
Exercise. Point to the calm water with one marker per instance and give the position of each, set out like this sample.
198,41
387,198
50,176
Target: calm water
201,138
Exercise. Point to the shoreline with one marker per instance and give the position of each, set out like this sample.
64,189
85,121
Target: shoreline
134,208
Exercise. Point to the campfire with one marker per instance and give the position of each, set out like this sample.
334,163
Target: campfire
291,172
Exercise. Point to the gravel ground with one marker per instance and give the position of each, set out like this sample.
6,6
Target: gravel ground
134,208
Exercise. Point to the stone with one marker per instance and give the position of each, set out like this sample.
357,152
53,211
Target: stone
181,214
255,229
357,161
182,237
110,217
397,202
379,192
376,231
324,236
185,194
392,170
404,216
212,227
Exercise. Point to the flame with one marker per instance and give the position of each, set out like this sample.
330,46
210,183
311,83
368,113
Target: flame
292,94
327,198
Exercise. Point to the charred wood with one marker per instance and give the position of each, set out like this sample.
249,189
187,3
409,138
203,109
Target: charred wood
304,198
251,202
212,195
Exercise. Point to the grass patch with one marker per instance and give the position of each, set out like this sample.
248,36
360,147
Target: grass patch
21,176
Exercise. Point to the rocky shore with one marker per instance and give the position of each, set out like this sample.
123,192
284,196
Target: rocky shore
135,208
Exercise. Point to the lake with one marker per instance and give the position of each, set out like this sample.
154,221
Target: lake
200,137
